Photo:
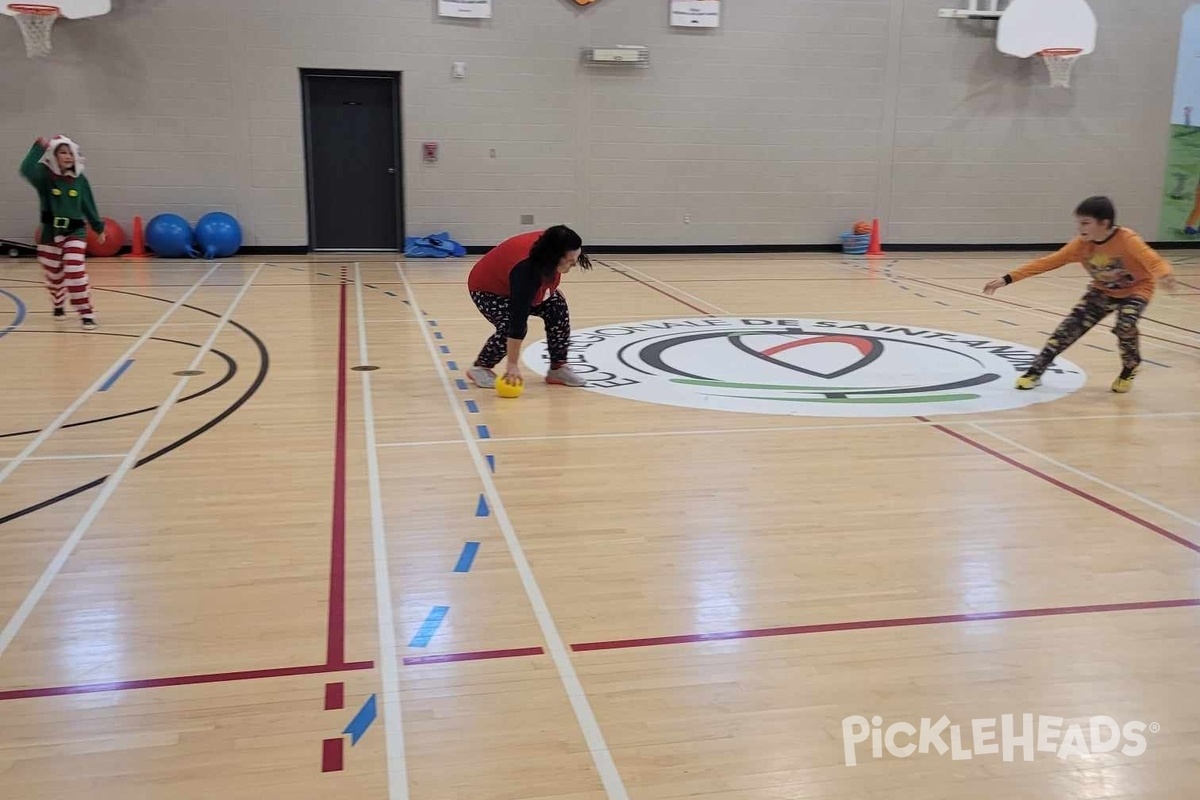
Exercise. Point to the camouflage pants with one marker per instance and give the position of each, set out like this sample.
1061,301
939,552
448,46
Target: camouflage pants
1090,310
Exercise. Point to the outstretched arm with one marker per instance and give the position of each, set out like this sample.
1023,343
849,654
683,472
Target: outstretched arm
1072,251
31,170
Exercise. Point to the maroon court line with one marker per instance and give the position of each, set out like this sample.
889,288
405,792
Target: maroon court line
660,291
336,633
1091,498
185,680
478,655
903,622
1012,461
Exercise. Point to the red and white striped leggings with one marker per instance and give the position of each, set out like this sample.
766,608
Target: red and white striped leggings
63,264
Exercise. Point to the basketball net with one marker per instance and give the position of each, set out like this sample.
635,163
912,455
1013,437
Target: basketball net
35,23
1059,62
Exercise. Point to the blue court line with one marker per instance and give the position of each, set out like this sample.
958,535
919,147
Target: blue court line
444,349
482,430
491,463
461,384
430,626
438,335
113,378
362,720
474,409
481,510
452,365
467,557
433,323
18,317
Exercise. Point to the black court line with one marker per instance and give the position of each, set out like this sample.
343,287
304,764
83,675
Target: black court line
231,369
259,379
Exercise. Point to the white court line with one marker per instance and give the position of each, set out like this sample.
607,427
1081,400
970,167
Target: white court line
1032,312
669,286
601,755
550,437
1100,481
397,767
13,626
71,458
49,430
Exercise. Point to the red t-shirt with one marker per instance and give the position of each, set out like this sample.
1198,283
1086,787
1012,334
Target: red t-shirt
492,273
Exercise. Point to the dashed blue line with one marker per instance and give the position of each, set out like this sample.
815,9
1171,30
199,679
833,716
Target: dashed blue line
491,463
433,323
467,557
113,378
438,335
444,349
453,366
472,407
483,431
430,626
481,509
461,384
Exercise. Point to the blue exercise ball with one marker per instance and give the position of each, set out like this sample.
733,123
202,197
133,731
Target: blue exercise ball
218,234
170,236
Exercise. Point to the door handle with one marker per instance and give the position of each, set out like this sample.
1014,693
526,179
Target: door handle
391,170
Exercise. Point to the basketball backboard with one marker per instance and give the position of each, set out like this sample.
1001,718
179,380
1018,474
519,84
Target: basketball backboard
69,9
1027,27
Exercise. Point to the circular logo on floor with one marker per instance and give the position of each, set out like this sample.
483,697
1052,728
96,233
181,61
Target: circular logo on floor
807,367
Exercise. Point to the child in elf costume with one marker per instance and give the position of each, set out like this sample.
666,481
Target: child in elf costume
55,170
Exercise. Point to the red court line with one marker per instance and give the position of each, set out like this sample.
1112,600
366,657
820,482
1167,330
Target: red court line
478,655
830,627
331,755
336,634
335,696
660,291
185,680
1091,498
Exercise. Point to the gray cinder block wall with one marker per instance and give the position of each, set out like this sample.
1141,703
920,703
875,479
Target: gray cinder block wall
783,126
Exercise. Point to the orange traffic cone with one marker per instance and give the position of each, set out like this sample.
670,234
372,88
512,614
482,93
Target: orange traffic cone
876,247
138,248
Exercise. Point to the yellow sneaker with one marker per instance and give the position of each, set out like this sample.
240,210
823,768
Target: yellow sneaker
1124,381
1028,381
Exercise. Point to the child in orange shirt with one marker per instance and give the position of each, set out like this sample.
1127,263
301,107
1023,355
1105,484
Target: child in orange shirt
1124,272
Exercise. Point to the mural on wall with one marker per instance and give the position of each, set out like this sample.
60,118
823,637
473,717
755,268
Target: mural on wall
1180,220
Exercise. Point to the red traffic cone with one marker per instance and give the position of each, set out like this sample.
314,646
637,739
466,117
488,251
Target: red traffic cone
876,247
138,247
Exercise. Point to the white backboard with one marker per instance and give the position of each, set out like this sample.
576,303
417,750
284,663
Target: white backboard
70,9
1029,26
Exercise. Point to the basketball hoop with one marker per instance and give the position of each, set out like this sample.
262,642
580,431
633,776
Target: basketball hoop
35,22
1059,62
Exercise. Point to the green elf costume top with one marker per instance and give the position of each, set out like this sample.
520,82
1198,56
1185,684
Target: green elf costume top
67,205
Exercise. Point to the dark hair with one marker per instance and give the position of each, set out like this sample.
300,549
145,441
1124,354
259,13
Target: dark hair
552,245
1098,208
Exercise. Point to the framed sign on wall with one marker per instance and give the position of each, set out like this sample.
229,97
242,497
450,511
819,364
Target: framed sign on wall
465,9
695,13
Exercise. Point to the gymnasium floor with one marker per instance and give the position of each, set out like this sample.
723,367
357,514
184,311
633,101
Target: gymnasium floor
304,579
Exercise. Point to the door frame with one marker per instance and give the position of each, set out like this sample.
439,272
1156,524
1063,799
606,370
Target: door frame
397,81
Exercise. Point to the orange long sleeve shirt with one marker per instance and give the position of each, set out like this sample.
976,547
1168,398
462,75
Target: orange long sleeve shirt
1123,266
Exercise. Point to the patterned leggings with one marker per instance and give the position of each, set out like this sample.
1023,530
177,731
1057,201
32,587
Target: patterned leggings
553,312
63,265
1094,307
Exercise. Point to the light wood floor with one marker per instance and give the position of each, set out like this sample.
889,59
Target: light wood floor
204,579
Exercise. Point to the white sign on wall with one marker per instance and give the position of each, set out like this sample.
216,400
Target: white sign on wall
468,9
696,13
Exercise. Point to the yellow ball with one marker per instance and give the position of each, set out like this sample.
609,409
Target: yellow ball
506,389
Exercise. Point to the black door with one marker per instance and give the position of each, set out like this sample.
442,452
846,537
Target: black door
352,131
